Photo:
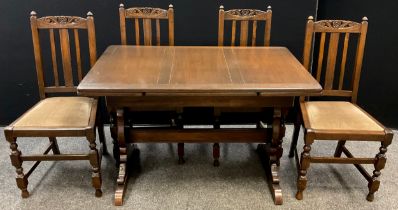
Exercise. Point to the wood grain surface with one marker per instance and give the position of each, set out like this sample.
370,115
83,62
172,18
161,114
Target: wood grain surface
128,70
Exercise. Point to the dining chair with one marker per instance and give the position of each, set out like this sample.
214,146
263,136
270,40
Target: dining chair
244,17
339,120
241,18
148,15
67,116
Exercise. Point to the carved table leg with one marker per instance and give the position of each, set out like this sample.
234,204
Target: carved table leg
123,172
116,152
272,154
275,153
113,130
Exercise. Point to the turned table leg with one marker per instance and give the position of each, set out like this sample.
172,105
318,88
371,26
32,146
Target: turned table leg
123,172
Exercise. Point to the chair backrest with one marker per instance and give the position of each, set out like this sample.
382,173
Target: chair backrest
64,25
333,29
244,16
147,14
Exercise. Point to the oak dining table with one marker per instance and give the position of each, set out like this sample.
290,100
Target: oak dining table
174,77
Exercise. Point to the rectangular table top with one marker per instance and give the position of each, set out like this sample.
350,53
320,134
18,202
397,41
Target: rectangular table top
128,70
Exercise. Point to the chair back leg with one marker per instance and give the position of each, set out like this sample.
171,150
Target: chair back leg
339,148
55,146
295,136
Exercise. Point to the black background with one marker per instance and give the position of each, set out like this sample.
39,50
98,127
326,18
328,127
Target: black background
196,24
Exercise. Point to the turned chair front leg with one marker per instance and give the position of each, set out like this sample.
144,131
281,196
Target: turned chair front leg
304,165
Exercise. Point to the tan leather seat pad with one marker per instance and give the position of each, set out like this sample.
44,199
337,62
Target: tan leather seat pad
58,112
336,115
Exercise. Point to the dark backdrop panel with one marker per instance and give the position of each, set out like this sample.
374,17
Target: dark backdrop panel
195,24
378,85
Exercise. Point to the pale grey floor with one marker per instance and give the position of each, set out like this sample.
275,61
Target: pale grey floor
160,183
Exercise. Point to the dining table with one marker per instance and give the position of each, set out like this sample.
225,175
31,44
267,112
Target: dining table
175,77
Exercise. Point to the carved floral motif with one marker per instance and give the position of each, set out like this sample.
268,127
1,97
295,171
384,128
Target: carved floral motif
244,12
337,24
146,12
62,20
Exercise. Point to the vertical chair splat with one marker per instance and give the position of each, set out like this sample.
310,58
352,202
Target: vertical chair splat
54,57
320,57
78,56
343,60
147,25
254,33
137,31
233,35
66,57
331,60
244,27
157,32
